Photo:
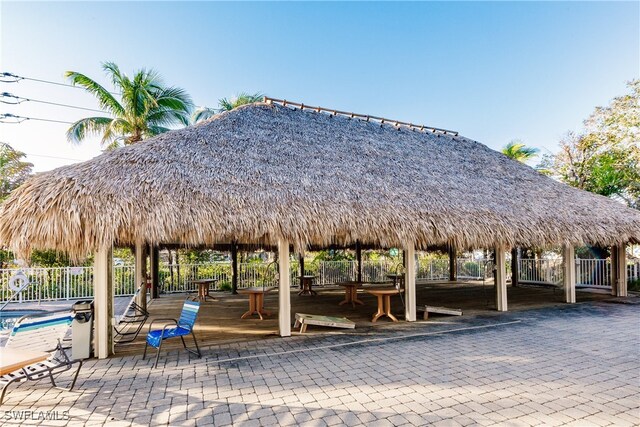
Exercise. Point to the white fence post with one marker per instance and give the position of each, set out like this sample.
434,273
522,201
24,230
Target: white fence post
67,284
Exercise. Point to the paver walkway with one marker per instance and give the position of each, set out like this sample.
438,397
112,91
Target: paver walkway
574,365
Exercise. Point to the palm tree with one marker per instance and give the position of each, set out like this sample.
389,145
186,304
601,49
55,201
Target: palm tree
13,169
516,150
146,107
224,104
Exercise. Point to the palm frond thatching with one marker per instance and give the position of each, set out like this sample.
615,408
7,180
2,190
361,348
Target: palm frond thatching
263,172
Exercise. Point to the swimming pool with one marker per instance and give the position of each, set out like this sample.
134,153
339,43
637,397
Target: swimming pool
9,317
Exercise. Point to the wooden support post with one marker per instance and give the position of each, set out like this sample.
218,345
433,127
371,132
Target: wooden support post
301,261
359,261
515,267
453,264
569,269
234,267
501,278
141,274
619,271
284,289
103,302
154,259
410,284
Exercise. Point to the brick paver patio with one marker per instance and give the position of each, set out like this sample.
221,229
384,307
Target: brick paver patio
569,365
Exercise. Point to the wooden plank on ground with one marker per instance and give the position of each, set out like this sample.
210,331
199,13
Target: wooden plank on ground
441,310
302,320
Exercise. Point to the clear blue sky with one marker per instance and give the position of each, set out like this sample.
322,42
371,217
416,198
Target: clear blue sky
493,71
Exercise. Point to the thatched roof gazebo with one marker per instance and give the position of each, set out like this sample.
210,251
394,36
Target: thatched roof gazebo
296,177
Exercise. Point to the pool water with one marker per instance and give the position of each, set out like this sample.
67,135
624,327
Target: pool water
9,317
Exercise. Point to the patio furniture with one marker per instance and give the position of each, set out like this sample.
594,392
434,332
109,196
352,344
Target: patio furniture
256,301
183,326
350,293
307,285
302,320
203,288
34,350
384,302
441,310
130,323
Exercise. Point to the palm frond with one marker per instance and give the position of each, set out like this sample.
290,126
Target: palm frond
86,127
146,107
202,113
242,98
157,130
518,151
105,99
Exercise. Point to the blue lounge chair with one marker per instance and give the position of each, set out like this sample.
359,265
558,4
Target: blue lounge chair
183,326
41,333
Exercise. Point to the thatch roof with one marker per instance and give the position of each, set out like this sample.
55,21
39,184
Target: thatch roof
262,172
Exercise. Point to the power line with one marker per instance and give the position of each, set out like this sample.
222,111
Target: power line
13,119
20,100
54,157
14,78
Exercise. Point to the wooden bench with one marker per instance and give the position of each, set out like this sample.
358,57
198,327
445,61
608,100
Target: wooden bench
302,320
441,310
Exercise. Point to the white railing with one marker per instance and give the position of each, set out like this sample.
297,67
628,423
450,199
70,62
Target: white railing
589,272
77,282
541,270
62,283
331,272
181,277
593,272
633,272
474,270
432,269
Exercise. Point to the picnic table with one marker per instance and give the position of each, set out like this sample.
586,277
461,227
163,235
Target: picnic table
307,283
256,301
350,293
203,288
384,301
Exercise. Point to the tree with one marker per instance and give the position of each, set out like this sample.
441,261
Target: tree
225,104
13,169
516,150
146,107
605,158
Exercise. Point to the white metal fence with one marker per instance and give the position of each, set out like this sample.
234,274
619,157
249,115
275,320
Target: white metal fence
589,272
593,272
541,270
63,282
77,282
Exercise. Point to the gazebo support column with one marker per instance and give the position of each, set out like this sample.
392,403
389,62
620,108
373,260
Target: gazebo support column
453,264
410,284
515,267
234,268
141,274
569,270
619,271
103,303
154,259
284,289
358,261
501,279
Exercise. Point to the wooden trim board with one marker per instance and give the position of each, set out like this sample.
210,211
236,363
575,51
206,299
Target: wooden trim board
302,320
441,310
